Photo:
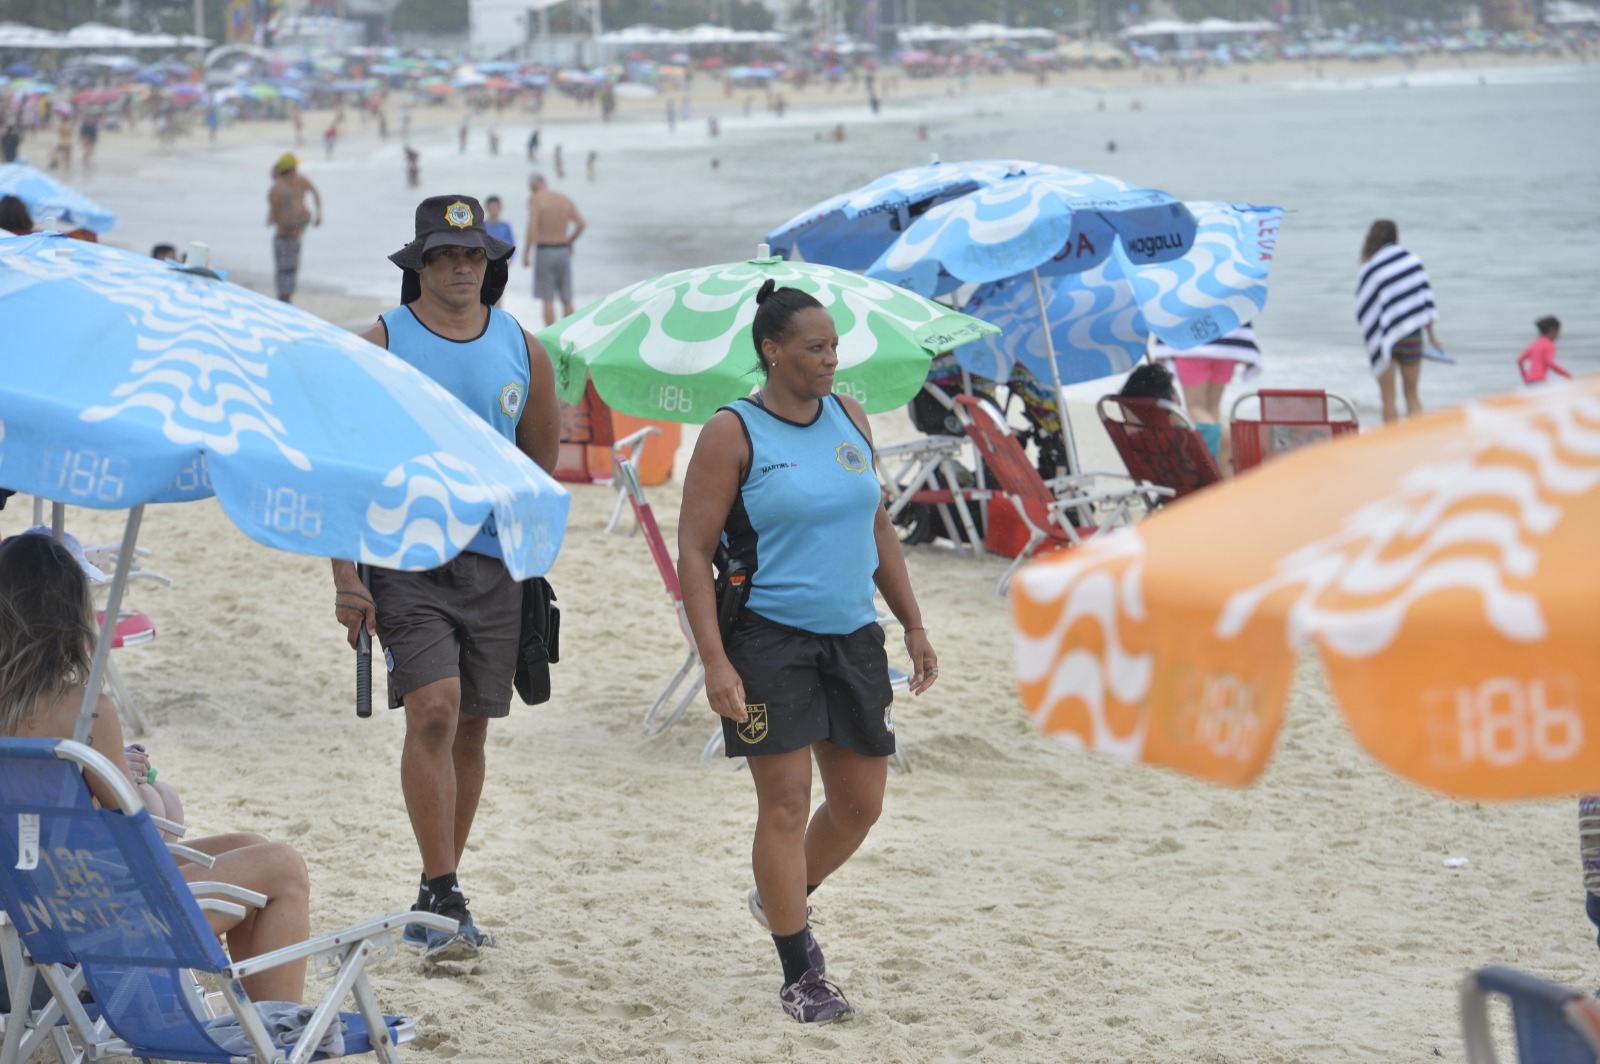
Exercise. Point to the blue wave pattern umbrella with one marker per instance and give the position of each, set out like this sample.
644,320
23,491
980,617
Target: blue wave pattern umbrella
46,197
851,230
124,380
1102,319
1054,222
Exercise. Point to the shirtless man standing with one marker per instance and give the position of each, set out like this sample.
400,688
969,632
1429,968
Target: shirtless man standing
554,225
287,213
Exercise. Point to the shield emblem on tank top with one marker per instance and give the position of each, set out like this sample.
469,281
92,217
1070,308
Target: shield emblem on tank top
851,457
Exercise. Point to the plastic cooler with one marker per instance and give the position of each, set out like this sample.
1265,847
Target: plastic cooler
1003,530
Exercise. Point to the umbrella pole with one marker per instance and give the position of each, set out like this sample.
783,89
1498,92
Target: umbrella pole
1085,512
108,628
1055,379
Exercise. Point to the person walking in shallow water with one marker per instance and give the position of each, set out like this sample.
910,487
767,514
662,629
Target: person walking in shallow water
1538,360
1394,307
802,674
288,215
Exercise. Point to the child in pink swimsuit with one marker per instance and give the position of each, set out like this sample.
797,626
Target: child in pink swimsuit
1539,360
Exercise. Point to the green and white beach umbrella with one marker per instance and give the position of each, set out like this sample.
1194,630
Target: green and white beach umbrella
677,347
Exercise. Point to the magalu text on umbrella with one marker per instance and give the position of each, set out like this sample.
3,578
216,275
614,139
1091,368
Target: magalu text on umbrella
1444,568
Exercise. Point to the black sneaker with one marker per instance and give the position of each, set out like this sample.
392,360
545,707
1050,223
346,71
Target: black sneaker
462,944
812,999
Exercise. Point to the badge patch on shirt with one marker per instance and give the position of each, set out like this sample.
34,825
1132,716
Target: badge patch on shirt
754,729
852,458
511,399
459,215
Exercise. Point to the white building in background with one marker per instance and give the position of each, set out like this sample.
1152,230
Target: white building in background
521,29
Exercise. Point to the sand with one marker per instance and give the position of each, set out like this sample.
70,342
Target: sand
1017,902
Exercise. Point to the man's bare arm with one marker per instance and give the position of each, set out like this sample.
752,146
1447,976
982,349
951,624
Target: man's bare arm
539,428
533,232
577,219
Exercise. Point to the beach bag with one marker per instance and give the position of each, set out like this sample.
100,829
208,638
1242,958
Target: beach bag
539,646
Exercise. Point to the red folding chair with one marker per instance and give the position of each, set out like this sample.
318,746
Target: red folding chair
1158,443
1046,515
659,717
1288,420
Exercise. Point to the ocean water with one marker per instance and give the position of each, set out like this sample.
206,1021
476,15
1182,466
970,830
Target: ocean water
1493,176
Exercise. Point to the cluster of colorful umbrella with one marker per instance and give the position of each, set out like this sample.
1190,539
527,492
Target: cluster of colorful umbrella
1442,568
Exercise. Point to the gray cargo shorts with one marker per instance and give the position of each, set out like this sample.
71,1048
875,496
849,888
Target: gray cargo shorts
552,272
462,619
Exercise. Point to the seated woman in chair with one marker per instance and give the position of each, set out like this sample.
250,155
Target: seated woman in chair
1153,380
47,634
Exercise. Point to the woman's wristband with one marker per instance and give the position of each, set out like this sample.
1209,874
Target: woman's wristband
915,628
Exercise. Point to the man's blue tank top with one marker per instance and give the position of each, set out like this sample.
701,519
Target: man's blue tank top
489,374
803,519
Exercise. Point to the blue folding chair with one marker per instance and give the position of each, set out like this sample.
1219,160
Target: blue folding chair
98,904
1553,1024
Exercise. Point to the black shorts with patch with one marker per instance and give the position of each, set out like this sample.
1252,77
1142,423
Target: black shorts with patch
801,688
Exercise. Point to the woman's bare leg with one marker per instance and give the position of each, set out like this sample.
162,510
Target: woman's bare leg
278,871
1410,377
852,786
1391,413
778,856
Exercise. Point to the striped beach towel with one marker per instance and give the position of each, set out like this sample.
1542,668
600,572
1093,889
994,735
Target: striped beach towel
1238,345
1393,300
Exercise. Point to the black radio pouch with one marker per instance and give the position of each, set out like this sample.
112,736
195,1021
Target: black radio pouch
733,587
540,644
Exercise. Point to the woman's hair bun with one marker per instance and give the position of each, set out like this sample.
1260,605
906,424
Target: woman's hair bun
768,287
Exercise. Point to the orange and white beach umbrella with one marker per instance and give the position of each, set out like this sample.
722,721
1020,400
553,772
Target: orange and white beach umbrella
1448,569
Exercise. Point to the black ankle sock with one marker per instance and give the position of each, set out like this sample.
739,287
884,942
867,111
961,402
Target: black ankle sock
423,894
792,953
440,888
811,887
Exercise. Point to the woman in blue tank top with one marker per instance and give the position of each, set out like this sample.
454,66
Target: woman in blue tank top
785,479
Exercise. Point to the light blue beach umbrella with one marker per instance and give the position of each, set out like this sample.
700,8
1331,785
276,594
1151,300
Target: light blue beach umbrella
1101,320
852,229
46,197
1034,225
1059,221
125,380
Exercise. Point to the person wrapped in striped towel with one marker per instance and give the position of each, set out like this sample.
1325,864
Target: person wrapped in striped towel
1394,306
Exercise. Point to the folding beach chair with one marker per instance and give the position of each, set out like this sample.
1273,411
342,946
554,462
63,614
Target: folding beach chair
924,476
1045,512
629,487
30,1019
1552,1024
664,711
1158,443
1289,419
98,889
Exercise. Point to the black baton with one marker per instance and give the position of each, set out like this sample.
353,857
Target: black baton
363,658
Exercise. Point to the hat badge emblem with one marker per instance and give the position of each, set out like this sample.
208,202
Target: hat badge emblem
459,215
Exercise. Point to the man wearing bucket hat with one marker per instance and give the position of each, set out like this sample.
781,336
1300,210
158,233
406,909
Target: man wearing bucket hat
287,213
451,635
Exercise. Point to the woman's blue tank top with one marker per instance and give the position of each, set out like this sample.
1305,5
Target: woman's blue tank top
488,373
803,519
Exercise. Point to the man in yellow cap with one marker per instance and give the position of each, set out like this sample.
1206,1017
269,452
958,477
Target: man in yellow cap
287,213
